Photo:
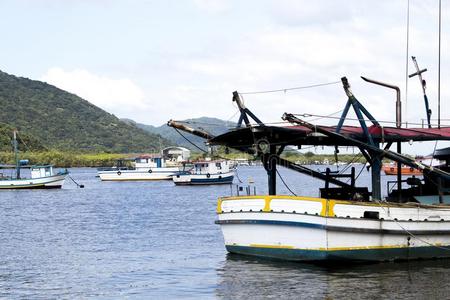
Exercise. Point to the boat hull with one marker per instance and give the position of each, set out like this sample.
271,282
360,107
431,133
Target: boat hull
360,255
313,229
134,175
50,182
203,179
392,170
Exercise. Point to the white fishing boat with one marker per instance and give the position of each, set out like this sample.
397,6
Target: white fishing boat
146,167
345,222
41,176
206,173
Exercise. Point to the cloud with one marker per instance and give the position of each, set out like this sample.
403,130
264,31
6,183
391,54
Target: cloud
118,96
192,73
212,6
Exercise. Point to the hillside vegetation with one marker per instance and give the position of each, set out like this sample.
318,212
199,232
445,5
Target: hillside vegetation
212,125
63,121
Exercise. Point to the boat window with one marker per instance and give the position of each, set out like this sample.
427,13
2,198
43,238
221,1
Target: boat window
219,166
371,215
48,171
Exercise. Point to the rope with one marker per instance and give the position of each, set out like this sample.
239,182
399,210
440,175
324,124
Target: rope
406,66
290,89
282,180
193,144
23,142
189,141
360,171
237,176
410,233
78,185
307,115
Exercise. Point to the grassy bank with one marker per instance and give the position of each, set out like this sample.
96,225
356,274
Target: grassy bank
66,159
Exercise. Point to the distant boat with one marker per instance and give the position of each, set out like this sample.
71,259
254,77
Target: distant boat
42,176
391,169
205,173
147,167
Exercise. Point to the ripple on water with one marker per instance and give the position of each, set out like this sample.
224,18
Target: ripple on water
155,240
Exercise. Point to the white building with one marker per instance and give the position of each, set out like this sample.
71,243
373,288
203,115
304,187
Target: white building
176,154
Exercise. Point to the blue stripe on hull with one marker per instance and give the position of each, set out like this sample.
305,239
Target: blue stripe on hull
223,180
336,228
367,255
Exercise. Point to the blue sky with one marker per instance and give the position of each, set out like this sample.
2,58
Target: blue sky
156,60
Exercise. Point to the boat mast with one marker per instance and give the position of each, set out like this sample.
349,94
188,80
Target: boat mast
398,122
16,154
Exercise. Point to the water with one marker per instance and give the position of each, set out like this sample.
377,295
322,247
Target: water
141,240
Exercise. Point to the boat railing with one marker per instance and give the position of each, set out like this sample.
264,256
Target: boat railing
240,190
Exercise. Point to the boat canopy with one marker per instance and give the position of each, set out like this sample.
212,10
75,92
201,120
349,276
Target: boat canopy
268,142
301,135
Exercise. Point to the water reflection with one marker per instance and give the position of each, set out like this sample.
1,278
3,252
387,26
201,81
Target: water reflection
242,277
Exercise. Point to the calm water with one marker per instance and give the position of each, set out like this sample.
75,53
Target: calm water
115,240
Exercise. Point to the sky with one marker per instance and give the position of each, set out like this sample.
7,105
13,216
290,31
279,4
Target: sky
152,61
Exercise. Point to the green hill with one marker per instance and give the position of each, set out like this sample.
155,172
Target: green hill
212,125
64,121
25,141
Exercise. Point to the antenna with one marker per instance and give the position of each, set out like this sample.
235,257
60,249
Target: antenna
439,70
406,67
423,83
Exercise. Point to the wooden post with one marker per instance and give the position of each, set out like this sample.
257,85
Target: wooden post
272,170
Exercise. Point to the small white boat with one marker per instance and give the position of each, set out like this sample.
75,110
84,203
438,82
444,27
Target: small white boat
147,167
205,173
41,176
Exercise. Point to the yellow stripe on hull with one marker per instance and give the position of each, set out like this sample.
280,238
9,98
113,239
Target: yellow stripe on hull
331,249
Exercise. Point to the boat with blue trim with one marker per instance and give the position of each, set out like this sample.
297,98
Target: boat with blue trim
345,222
207,173
146,167
42,176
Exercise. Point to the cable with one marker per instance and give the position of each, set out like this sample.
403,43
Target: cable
307,115
406,67
357,176
237,176
290,89
282,180
189,141
78,185
408,232
23,142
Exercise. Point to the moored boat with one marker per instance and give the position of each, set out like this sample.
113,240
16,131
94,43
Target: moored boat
345,222
147,167
392,169
206,173
42,176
